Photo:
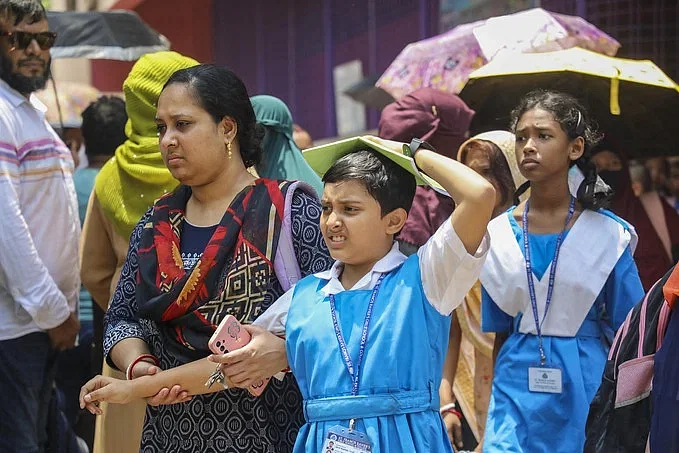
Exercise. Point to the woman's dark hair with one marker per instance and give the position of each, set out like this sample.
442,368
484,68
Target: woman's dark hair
575,121
388,183
499,168
103,126
221,93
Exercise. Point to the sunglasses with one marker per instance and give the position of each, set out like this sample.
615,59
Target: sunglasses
23,39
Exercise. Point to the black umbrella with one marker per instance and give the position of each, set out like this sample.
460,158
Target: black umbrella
109,35
367,93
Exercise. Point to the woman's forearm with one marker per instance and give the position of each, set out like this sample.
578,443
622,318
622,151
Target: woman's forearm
500,339
125,351
191,377
450,366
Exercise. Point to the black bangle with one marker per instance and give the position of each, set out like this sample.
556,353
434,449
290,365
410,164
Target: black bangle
414,147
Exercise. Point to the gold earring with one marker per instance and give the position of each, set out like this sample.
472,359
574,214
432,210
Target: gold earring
228,147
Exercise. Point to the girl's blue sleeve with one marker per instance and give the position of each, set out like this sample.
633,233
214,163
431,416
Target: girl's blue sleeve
493,319
623,289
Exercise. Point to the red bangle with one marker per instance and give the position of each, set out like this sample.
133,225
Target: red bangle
457,413
142,358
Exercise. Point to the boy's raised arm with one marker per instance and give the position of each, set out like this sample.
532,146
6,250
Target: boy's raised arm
474,196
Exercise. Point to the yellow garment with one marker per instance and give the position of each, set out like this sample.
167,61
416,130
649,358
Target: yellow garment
119,428
505,141
474,374
102,254
136,176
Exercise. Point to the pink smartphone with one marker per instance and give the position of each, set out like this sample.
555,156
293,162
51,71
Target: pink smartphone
230,336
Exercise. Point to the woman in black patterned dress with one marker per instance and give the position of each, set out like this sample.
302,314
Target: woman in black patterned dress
200,253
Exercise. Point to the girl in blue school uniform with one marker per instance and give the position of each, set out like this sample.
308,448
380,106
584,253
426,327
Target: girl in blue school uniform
559,279
366,340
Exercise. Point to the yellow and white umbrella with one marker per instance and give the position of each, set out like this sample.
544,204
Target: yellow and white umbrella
633,101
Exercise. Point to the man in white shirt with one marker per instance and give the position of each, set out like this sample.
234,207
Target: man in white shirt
39,231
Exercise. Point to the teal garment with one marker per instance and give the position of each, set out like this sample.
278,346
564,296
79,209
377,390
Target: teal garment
282,159
83,180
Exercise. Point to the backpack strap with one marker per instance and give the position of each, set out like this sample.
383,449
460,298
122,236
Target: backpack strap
642,323
285,262
662,324
622,331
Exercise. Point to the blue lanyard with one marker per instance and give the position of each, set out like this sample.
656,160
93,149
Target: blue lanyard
552,273
354,372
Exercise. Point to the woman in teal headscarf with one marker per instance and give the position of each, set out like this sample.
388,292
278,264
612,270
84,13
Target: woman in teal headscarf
281,159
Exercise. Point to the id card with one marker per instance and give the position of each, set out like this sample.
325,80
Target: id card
543,379
340,440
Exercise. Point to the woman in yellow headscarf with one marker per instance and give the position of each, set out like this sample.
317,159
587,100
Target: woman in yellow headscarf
468,370
125,188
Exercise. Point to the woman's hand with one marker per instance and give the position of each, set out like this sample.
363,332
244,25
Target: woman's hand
261,358
104,388
454,429
166,395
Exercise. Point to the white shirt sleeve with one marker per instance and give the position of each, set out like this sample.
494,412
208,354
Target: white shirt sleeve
448,272
24,275
275,317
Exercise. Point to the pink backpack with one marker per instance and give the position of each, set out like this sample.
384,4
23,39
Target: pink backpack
620,414
634,377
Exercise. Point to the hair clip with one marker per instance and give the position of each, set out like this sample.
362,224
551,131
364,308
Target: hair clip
580,126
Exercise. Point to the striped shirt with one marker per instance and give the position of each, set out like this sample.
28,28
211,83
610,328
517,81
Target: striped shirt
39,227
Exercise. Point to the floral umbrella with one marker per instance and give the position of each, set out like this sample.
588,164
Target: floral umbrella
73,99
445,61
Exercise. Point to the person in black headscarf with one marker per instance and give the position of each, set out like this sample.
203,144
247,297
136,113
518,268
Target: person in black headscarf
658,230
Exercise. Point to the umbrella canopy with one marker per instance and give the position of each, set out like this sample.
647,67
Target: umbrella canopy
633,101
445,61
367,93
109,35
73,99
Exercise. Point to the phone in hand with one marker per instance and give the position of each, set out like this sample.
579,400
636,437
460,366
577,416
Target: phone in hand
229,336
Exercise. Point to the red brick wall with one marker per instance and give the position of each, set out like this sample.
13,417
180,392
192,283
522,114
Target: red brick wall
187,24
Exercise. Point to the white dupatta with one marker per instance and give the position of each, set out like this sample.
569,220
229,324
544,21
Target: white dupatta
587,257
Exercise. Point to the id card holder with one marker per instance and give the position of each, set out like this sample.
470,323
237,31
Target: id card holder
545,379
342,440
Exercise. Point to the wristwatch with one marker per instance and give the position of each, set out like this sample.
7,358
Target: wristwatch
414,147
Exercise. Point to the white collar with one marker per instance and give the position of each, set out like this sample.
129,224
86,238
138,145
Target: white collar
16,98
387,263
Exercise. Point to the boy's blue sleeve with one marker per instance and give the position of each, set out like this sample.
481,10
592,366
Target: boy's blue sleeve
493,319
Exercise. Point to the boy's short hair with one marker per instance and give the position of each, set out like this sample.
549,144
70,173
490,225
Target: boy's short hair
388,183
103,126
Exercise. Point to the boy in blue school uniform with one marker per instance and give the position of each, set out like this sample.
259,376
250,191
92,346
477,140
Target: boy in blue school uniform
366,339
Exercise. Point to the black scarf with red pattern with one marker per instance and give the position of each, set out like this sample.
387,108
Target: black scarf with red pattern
232,276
